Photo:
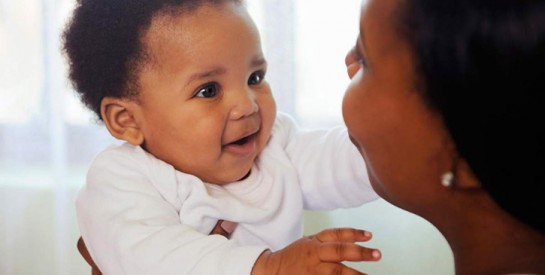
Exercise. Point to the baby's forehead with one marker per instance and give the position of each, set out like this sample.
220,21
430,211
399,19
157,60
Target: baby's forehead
170,22
179,34
164,28
187,8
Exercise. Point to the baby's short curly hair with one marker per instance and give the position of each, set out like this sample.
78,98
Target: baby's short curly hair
104,47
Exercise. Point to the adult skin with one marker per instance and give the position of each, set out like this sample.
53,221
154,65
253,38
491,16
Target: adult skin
433,97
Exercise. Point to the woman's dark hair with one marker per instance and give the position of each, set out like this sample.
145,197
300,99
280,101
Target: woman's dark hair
481,64
103,43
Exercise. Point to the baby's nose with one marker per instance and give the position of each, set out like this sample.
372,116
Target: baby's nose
244,105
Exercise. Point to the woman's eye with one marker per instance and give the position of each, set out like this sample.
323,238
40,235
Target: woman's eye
362,61
209,90
256,78
357,57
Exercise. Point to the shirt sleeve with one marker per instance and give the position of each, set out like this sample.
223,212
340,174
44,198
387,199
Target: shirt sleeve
331,171
129,228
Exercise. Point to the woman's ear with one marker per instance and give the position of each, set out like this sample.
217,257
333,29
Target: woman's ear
118,115
465,178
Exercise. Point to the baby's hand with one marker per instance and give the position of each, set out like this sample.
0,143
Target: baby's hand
318,254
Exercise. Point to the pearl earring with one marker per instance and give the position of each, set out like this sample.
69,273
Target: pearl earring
447,179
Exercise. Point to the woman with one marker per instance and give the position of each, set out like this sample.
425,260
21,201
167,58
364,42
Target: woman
445,106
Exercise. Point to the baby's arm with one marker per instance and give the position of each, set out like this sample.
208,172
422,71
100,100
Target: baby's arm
331,171
318,254
130,228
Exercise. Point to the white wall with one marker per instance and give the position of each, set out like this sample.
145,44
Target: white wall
30,243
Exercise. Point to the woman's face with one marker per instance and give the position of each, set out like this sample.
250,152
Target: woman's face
402,140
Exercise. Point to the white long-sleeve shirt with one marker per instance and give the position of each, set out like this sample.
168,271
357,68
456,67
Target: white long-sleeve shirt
138,215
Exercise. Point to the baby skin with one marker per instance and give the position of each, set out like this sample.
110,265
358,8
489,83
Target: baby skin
202,110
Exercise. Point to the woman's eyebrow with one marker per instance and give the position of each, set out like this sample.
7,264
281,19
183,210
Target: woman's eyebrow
360,47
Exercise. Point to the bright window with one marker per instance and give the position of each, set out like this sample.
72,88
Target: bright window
47,139
44,127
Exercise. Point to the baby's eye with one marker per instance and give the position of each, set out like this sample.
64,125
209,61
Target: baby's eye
208,90
256,78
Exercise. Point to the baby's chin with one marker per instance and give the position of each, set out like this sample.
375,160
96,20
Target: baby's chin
229,179
245,176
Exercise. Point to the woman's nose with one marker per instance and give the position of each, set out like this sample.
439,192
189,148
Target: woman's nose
352,65
352,69
244,105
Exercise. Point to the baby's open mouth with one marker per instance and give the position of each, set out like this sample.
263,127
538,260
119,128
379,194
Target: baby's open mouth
243,140
242,146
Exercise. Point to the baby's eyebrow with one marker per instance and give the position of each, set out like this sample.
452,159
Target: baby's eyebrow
206,74
259,62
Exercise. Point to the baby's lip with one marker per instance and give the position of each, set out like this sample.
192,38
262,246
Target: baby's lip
245,135
244,146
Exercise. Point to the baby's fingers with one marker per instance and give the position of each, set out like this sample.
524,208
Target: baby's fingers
336,269
339,251
344,235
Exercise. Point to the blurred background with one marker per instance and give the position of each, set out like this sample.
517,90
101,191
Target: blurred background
47,139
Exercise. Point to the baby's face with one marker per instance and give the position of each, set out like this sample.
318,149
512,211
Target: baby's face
204,105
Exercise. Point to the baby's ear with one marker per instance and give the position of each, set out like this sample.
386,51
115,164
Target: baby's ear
118,115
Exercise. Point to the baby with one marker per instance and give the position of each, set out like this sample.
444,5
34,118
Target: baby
183,84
